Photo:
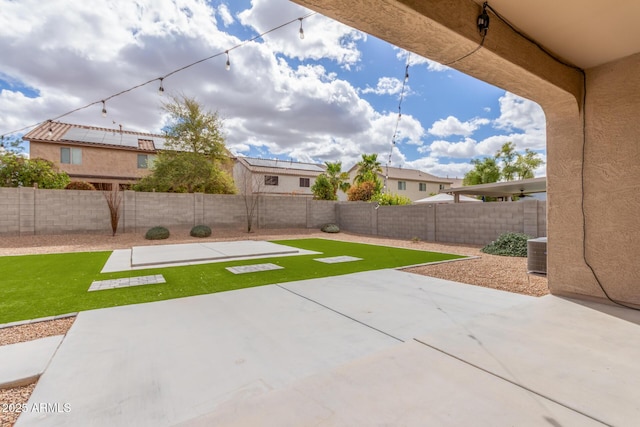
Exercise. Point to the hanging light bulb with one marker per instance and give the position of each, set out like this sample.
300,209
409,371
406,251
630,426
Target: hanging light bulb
301,30
104,109
161,88
227,65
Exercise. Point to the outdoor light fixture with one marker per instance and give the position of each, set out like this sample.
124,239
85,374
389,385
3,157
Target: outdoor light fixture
161,88
227,65
301,30
104,110
483,20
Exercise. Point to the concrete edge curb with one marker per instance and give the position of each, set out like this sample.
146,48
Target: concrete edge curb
466,258
41,319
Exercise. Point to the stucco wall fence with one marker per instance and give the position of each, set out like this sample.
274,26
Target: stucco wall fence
28,211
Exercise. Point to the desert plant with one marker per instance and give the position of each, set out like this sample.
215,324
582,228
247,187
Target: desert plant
330,228
201,231
80,185
157,233
508,244
113,198
387,199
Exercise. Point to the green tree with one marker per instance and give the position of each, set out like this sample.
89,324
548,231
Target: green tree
507,156
19,171
368,169
195,156
329,182
322,188
527,163
484,171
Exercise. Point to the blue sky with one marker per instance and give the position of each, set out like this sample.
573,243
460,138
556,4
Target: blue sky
329,97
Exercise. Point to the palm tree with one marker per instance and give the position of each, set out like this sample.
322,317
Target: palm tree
368,169
339,180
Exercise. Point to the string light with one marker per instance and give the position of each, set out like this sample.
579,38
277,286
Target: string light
50,131
166,75
227,65
301,30
161,88
104,109
395,132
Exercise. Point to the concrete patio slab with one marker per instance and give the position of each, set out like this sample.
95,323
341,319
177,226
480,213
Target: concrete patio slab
100,285
23,363
338,259
367,348
402,304
254,268
161,363
584,356
144,257
406,385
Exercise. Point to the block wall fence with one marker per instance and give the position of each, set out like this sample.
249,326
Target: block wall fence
28,211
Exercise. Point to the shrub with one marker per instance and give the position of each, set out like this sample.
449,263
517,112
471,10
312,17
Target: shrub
330,228
386,199
508,244
80,185
201,231
157,233
361,192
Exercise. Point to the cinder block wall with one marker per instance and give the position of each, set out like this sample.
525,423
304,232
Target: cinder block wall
30,211
469,223
10,210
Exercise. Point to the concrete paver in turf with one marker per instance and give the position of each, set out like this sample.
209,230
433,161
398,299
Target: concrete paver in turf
100,285
242,269
337,259
22,363
143,257
164,254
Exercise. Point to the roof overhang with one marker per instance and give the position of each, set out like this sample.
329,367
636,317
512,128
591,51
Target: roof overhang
502,189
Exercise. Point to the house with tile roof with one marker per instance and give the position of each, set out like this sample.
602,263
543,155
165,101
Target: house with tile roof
275,177
412,183
104,157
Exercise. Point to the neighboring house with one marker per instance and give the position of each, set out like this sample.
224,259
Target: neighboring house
411,183
104,157
275,177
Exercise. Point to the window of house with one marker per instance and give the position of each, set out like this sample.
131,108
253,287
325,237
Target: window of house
71,156
422,186
270,180
145,161
402,185
304,182
442,186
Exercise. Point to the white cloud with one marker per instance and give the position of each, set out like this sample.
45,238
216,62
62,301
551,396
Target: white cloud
520,113
323,37
420,60
223,11
386,86
453,126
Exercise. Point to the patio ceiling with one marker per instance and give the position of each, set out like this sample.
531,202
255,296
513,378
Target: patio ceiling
585,33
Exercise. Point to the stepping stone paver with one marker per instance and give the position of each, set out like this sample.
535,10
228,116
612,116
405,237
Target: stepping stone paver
337,259
99,285
253,268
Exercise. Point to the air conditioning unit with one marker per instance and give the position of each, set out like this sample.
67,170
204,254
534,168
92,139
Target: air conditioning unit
537,255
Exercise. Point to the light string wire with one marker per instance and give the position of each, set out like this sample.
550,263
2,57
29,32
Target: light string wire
162,78
395,132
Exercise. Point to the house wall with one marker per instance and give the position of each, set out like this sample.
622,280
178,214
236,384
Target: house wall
591,237
98,164
413,188
287,184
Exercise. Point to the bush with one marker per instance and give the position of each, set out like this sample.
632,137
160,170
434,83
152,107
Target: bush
157,233
508,244
80,185
386,199
361,192
330,228
201,231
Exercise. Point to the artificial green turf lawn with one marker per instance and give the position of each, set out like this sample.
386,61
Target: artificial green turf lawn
34,286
